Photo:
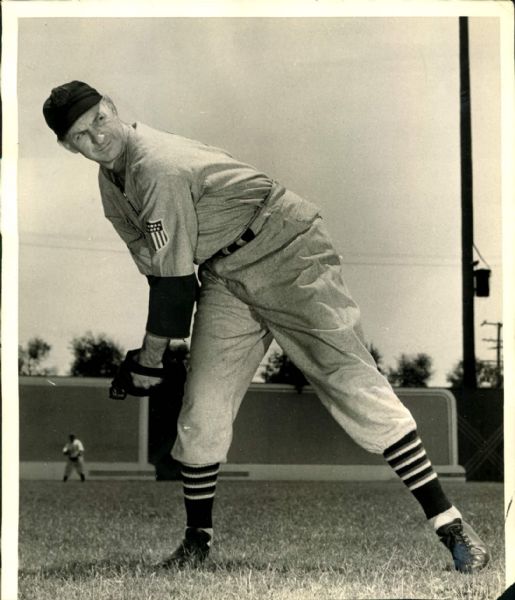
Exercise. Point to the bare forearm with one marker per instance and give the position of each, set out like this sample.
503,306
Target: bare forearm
152,350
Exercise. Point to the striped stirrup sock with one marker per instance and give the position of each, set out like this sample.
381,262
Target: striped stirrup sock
409,460
199,487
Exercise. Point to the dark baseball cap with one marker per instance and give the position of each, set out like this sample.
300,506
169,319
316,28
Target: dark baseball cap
67,103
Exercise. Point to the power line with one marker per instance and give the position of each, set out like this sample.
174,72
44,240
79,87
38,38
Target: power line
454,262
345,253
66,247
399,264
345,262
479,254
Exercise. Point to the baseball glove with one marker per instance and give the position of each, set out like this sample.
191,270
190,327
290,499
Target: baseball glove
122,384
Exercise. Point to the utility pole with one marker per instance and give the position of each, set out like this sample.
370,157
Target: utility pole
467,221
497,348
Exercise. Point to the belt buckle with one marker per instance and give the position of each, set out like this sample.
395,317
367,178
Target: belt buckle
247,236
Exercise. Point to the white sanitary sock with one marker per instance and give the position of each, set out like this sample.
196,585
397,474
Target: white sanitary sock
445,517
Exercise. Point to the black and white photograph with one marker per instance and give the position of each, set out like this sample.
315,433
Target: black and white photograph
257,305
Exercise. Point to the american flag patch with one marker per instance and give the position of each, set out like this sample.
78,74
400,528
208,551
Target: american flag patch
157,234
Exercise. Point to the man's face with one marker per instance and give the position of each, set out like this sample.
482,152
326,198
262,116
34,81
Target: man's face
98,134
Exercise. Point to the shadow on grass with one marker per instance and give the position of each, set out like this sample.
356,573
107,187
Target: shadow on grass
237,565
110,566
116,566
241,564
121,566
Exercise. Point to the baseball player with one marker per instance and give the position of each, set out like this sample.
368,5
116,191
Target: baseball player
267,269
74,452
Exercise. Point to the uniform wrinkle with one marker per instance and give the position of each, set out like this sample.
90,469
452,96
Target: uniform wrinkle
315,322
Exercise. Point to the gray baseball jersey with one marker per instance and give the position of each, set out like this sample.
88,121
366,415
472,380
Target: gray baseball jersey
179,202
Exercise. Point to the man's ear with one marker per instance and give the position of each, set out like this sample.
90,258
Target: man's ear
67,146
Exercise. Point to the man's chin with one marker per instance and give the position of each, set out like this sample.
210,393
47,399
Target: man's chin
115,164
109,163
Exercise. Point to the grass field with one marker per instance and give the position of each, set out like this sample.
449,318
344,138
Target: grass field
273,540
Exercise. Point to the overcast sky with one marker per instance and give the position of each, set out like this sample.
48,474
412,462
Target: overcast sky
359,115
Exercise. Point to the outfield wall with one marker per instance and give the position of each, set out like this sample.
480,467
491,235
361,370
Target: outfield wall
278,434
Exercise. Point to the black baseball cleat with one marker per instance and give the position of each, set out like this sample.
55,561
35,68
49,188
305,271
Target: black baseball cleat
192,552
468,551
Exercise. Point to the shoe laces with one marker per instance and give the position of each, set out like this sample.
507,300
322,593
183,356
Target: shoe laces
457,534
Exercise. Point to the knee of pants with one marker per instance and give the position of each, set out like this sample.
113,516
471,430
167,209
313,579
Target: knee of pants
203,443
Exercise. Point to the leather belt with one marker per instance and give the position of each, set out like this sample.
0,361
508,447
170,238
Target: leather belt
247,236
254,226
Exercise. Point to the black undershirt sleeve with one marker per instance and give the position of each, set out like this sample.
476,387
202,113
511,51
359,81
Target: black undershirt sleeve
170,306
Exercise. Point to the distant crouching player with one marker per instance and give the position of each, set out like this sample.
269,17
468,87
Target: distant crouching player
74,452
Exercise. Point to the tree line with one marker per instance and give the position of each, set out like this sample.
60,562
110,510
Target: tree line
93,356
100,356
411,370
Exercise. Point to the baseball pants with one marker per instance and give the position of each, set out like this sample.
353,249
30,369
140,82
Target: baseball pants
77,465
285,284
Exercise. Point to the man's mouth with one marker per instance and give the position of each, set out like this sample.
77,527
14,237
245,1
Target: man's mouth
104,146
